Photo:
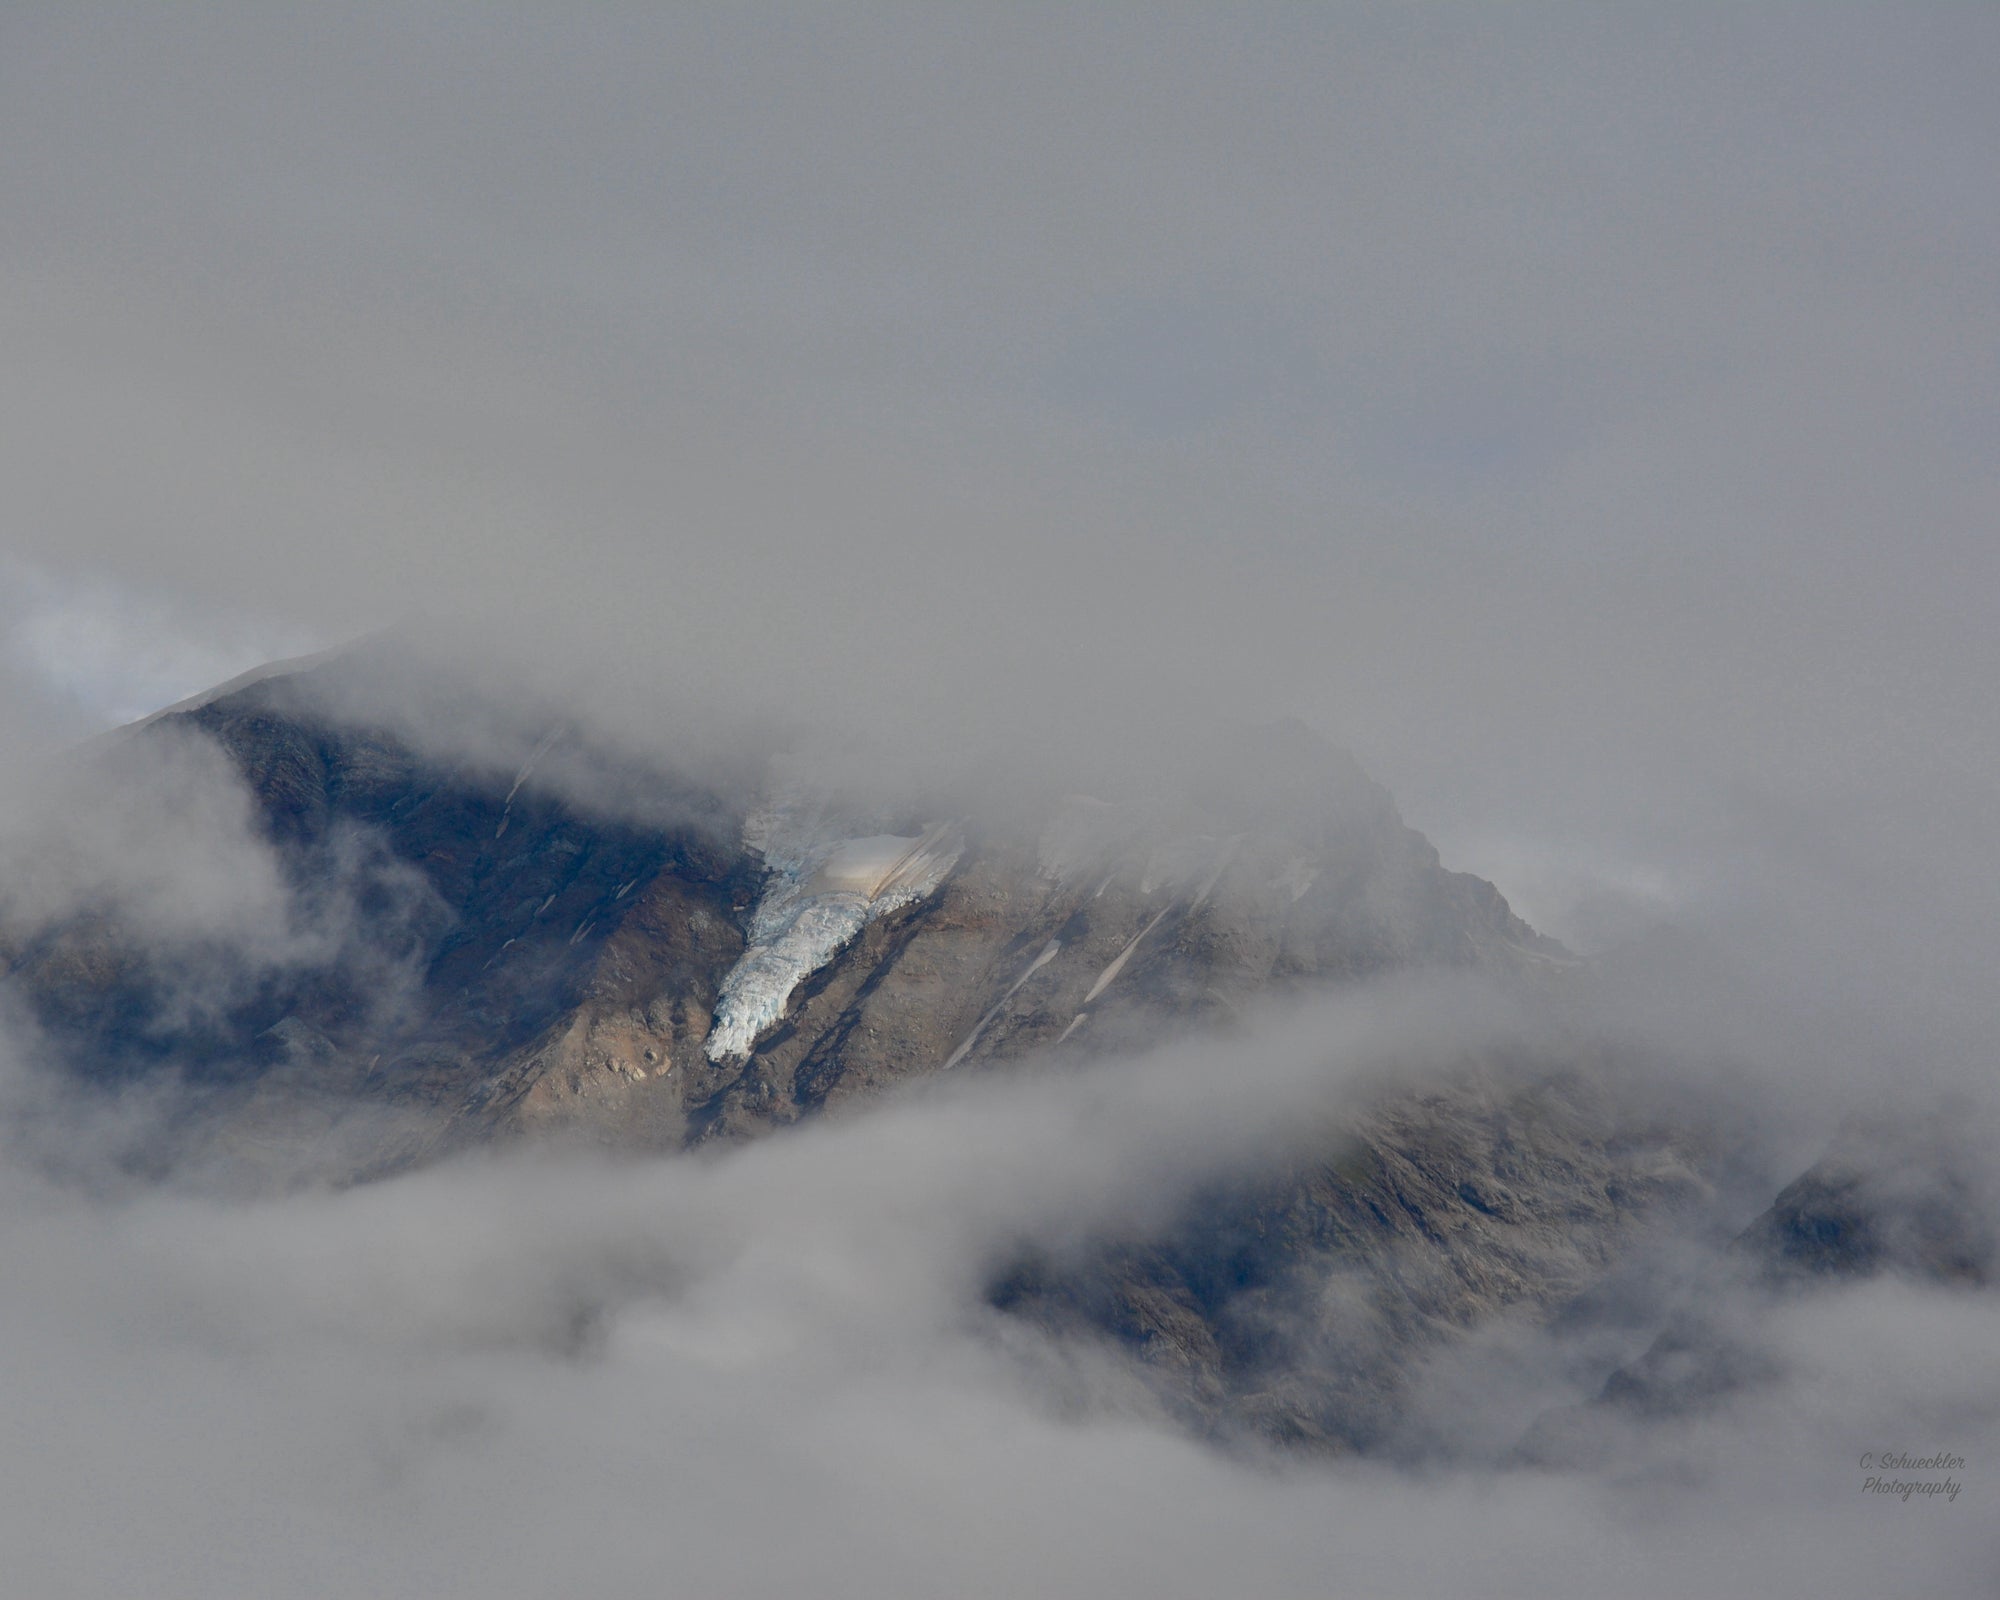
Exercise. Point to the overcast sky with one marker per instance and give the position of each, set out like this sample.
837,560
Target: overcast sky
1587,414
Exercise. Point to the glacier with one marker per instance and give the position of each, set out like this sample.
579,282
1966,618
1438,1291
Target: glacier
821,888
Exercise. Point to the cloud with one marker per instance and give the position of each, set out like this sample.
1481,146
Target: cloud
115,656
775,1369
142,888
1601,423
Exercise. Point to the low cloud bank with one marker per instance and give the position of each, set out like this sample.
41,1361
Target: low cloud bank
775,1371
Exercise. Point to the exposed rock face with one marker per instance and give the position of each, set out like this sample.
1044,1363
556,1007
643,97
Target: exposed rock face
1296,1306
1907,1195
485,954
1901,1195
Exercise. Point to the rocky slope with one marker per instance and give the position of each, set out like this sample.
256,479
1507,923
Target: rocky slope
522,948
529,936
1300,1304
1904,1195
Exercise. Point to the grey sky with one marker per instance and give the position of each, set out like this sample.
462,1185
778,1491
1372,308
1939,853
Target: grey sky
1575,410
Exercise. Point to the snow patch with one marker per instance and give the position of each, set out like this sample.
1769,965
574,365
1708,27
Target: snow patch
1049,953
1109,975
820,890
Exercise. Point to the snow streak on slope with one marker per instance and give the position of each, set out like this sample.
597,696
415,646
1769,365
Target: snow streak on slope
1049,952
821,890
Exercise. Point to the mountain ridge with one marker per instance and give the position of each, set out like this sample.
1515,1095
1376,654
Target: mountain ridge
568,965
531,936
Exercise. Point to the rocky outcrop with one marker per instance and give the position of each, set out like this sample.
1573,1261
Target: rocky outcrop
1900,1194
1299,1305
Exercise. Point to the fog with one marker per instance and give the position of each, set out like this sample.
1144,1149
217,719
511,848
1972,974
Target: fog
1585,418
775,1371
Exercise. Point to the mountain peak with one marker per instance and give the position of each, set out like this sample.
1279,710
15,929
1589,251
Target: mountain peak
504,924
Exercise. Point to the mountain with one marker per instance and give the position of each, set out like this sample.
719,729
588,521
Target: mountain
560,941
509,931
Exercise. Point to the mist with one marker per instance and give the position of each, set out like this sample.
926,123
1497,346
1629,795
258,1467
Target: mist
776,1369
1585,419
